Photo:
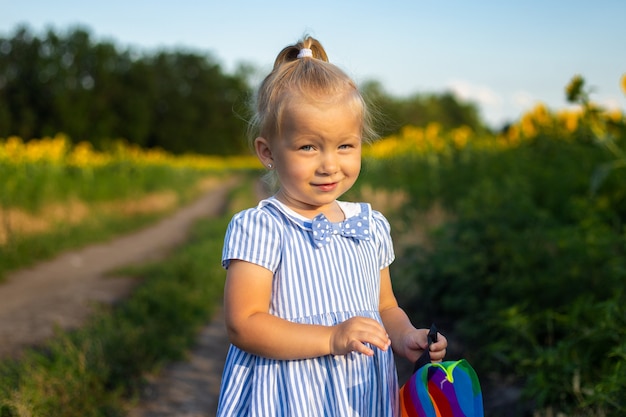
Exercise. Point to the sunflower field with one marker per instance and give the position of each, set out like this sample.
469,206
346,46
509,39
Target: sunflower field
525,264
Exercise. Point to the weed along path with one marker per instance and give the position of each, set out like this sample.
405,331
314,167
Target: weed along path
62,292
189,388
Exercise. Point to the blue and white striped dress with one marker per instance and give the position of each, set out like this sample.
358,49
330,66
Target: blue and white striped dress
318,285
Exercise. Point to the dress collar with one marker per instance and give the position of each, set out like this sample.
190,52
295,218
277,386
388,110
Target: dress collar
357,221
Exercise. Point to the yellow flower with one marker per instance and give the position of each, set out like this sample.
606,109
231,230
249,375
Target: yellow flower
432,131
569,119
541,115
14,150
84,156
615,115
624,83
528,126
460,136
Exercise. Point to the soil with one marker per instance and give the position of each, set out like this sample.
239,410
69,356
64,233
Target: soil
61,293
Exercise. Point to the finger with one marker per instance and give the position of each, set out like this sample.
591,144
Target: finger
373,337
361,348
371,331
381,342
437,356
440,344
438,350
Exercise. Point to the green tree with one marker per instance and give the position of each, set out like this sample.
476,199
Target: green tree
181,101
419,110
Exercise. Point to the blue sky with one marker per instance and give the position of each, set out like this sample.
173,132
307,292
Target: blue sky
506,56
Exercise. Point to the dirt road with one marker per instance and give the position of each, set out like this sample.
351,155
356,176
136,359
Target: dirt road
62,291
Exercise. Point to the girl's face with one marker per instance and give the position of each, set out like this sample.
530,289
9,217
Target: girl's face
317,155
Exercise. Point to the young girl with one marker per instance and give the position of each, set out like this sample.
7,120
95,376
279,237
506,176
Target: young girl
308,301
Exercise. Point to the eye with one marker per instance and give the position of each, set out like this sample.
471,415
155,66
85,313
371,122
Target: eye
306,148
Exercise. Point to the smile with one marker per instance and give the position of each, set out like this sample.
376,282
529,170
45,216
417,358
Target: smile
326,187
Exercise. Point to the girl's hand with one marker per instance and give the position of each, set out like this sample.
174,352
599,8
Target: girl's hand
353,334
416,341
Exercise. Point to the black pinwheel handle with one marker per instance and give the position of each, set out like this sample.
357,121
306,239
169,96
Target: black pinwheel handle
425,357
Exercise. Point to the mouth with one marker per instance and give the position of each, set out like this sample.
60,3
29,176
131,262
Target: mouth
326,187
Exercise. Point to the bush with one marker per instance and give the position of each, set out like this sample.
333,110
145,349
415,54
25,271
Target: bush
529,271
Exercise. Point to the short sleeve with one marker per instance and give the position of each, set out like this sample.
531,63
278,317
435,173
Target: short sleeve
382,233
253,236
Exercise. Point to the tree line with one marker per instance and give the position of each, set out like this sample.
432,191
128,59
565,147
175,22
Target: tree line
178,100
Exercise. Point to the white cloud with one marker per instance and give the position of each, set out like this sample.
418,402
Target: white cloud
480,94
522,100
612,103
488,101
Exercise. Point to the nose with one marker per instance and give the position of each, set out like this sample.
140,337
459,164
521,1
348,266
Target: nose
329,163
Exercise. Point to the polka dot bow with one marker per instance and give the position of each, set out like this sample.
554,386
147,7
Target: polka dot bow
357,227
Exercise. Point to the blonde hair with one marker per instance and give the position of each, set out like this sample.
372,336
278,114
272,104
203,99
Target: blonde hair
313,78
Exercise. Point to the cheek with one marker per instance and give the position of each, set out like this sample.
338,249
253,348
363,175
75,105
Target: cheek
296,170
355,165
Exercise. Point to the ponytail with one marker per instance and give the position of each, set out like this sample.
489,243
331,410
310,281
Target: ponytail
303,70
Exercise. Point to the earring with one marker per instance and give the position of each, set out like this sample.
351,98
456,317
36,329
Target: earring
270,166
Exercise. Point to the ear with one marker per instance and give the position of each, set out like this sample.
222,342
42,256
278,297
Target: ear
263,151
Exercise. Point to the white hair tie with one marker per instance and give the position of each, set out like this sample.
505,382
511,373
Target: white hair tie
304,53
